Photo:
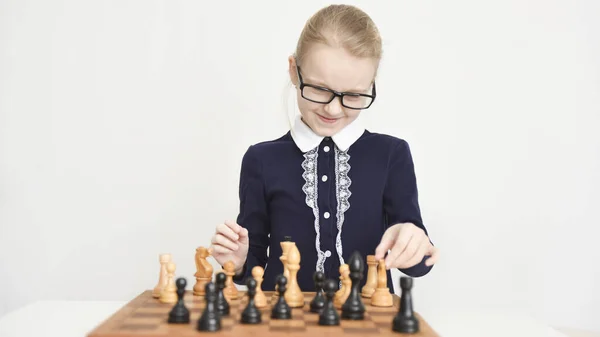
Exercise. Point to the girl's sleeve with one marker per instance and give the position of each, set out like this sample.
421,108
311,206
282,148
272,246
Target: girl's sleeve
253,212
400,199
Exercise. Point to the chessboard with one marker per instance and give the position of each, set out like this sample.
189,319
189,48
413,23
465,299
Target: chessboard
146,316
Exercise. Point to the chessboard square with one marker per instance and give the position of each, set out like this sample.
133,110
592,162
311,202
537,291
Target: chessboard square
195,310
152,310
138,327
158,306
297,312
381,318
354,324
145,320
194,316
381,310
229,320
311,317
287,324
144,317
361,331
384,325
247,329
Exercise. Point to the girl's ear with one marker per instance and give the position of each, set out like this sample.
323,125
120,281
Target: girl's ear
292,70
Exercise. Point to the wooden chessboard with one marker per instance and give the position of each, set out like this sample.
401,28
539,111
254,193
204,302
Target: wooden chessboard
146,316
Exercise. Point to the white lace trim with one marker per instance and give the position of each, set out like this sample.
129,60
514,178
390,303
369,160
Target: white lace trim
310,176
310,188
342,192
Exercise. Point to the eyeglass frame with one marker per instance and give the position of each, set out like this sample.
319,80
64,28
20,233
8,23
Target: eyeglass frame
335,93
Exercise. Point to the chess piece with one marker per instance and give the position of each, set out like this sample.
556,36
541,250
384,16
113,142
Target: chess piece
281,310
179,313
231,292
163,259
169,294
318,302
222,304
294,296
286,244
354,308
342,295
260,300
210,319
204,270
251,314
405,320
329,315
382,296
369,287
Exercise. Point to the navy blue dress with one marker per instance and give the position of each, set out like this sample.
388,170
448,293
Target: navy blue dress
331,195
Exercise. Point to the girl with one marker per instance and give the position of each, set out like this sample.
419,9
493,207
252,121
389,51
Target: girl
328,183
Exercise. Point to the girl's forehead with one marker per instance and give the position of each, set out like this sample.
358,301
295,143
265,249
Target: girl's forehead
337,69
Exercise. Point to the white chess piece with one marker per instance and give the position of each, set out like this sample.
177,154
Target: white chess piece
163,259
169,294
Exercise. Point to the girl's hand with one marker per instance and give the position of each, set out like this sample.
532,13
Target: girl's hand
230,243
408,244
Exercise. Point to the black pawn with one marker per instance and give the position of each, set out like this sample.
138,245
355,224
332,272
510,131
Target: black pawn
405,320
179,313
210,319
222,304
354,308
251,314
281,310
329,315
318,302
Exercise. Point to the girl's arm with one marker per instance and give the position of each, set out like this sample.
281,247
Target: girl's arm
253,213
401,202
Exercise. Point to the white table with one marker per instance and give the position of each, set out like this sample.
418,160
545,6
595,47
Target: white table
76,319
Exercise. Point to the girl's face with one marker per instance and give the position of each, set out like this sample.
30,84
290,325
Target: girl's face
335,69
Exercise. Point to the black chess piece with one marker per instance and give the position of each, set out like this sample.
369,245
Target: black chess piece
251,314
222,304
405,320
210,320
281,310
318,302
179,313
329,315
353,308
287,238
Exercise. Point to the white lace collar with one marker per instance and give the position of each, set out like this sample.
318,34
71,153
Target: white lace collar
307,140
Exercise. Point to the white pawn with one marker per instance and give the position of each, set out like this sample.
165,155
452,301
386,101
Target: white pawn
169,294
260,300
164,259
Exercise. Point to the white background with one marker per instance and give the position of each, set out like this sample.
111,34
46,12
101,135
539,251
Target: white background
123,124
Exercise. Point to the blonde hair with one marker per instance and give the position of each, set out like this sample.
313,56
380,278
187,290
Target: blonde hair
343,26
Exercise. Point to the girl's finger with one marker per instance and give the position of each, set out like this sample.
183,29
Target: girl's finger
386,243
227,232
218,249
234,226
418,256
435,253
223,241
398,248
409,252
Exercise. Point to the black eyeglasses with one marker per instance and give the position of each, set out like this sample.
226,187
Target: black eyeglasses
350,100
